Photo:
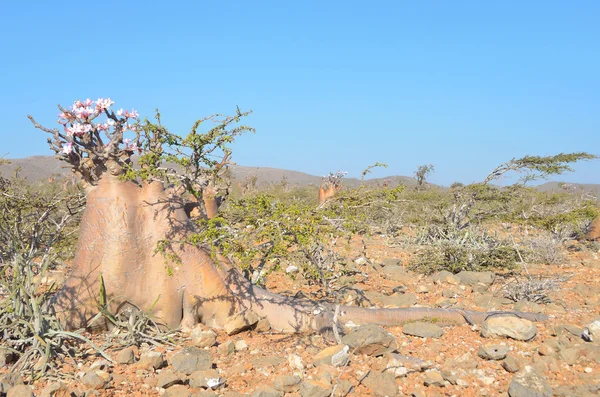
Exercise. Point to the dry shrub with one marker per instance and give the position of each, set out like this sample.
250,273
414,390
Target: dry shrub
532,289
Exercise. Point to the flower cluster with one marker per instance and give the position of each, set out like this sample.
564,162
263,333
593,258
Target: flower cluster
78,121
334,179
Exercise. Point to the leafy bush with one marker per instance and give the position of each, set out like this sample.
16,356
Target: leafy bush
457,250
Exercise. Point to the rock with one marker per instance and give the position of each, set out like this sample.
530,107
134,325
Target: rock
126,356
206,393
314,388
152,359
203,337
422,329
333,355
450,376
446,277
400,365
342,388
487,302
479,281
287,383
6,357
226,348
421,289
20,391
508,326
591,333
177,391
266,391
434,378
526,306
240,322
96,379
511,364
241,345
528,383
166,378
371,340
570,355
191,359
397,273
391,262
208,379
399,300
381,384
493,352
52,388
262,325
400,289
295,362
580,390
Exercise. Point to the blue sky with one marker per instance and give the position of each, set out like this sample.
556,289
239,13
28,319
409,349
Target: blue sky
463,85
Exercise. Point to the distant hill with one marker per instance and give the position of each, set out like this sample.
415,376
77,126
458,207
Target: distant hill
38,168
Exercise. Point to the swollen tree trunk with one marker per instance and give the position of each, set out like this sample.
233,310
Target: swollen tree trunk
122,226
594,233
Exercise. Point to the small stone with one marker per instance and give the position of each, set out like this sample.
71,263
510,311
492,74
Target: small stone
177,391
433,378
493,352
510,364
6,357
51,389
381,384
450,376
333,355
126,356
295,362
529,383
240,322
191,359
262,325
509,327
371,340
291,269
480,281
399,300
96,379
226,348
342,388
423,330
209,379
166,378
20,391
152,359
421,289
314,388
203,337
591,333
241,345
266,391
287,383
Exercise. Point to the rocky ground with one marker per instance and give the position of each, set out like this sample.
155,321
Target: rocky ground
507,356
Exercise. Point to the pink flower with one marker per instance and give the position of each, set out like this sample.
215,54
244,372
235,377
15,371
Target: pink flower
80,129
88,102
120,112
104,104
129,145
134,114
103,127
68,148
